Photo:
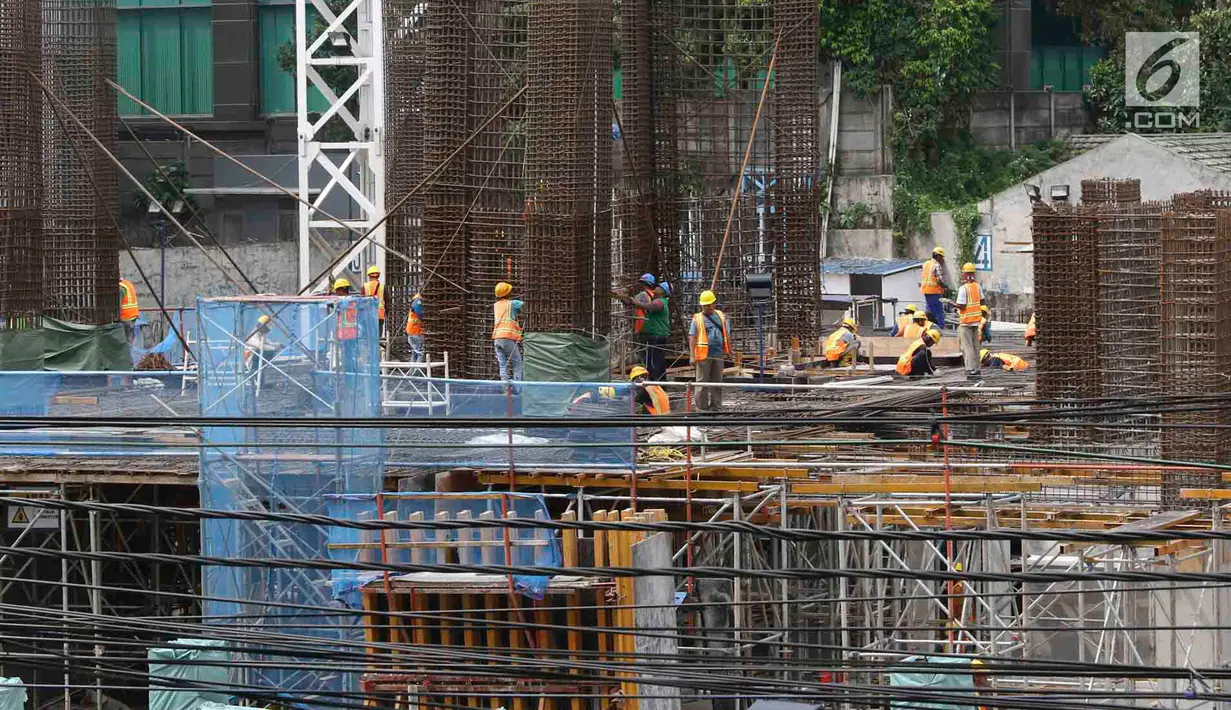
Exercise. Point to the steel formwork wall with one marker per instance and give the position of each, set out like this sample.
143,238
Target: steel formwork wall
445,237
568,166
797,185
1196,324
80,244
405,45
21,248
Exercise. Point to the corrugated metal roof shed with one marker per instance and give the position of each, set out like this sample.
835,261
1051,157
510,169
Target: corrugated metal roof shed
869,267
1212,150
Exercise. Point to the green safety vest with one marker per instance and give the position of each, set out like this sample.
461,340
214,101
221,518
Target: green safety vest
659,324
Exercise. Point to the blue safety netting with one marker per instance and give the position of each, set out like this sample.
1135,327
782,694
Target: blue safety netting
474,546
562,441
317,360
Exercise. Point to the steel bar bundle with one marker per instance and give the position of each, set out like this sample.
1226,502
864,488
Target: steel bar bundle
568,165
1065,288
1196,325
445,237
494,174
405,43
21,253
1127,326
797,185
80,245
1106,190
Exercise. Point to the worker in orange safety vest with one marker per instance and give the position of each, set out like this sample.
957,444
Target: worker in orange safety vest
650,399
1005,361
932,285
916,360
130,312
709,342
918,326
842,347
904,321
373,288
507,333
414,328
970,319
1032,331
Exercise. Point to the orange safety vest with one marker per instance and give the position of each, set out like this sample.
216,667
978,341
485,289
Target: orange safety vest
414,324
972,314
702,350
905,359
903,323
639,315
914,330
660,403
1011,362
1032,330
348,321
834,347
929,284
506,326
129,311
376,289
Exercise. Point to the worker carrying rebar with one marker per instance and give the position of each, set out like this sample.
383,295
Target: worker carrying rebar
985,324
373,288
652,323
932,285
970,316
709,342
916,360
1005,361
130,312
506,333
904,321
1032,331
919,325
414,328
842,347
650,399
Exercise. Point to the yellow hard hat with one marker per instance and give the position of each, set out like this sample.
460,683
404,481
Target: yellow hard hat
503,289
373,270
910,308
934,335
968,268
636,372
985,309
262,320
920,315
707,297
976,662
957,566
849,322
983,354
341,283
938,251
417,297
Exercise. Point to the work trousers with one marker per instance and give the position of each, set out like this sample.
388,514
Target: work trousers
508,356
968,338
936,310
709,370
656,356
415,344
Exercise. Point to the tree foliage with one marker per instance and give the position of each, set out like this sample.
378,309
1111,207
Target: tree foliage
1104,22
1106,93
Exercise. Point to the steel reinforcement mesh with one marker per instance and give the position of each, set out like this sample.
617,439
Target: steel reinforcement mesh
405,45
796,187
1202,200
1127,324
21,253
80,244
445,237
567,255
1106,190
1196,324
1065,289
494,169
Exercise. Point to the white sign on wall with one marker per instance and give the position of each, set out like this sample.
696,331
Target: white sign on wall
21,517
983,252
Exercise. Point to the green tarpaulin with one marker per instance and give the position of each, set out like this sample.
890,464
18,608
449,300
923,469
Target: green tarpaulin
70,347
193,663
945,679
561,357
21,350
12,694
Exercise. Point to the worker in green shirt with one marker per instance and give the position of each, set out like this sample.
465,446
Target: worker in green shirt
656,331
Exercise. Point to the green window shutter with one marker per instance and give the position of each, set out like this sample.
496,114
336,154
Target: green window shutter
165,55
197,61
276,25
128,60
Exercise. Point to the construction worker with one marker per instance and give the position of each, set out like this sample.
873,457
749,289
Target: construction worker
969,300
919,325
414,328
899,328
506,333
130,312
645,293
650,399
652,327
916,360
842,347
709,342
985,324
932,285
258,343
341,287
373,288
1032,331
1005,361
348,317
